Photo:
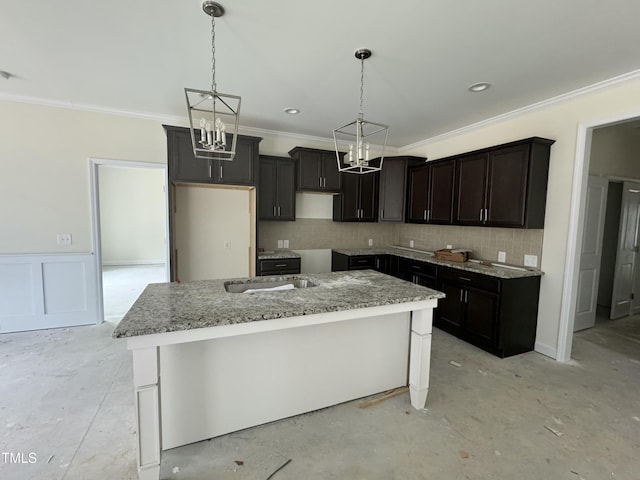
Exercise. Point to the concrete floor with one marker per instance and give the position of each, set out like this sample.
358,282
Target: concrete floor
66,398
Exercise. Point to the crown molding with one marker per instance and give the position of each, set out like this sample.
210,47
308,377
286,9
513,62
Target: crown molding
182,121
626,77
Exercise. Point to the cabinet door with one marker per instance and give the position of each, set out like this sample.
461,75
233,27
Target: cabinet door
440,205
331,175
349,198
183,165
239,171
309,170
286,183
368,197
418,186
471,181
382,263
267,189
481,318
507,189
392,191
450,311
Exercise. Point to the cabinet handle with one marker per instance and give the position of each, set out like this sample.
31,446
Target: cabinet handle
324,181
377,263
464,278
485,214
279,211
461,293
428,215
221,172
466,296
281,265
416,267
481,214
382,213
210,174
274,210
320,182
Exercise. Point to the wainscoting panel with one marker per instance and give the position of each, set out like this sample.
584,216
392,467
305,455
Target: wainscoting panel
47,291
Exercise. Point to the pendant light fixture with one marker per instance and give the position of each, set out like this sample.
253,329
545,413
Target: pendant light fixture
213,116
364,140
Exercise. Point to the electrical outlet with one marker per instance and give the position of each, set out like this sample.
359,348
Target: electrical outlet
371,242
449,246
285,243
64,239
280,244
531,261
502,257
410,243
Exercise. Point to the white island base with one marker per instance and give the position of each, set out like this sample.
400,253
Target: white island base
191,385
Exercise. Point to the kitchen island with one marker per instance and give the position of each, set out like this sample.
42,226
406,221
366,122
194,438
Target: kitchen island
209,360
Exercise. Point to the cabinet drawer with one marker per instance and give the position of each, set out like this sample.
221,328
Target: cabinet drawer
471,279
278,266
418,267
361,262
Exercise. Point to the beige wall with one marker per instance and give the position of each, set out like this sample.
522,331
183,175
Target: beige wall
132,215
559,122
44,171
615,152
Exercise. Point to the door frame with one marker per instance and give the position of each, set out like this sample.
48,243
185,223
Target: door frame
576,228
94,164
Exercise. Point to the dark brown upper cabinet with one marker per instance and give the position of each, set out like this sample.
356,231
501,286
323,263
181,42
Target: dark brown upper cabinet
317,170
185,167
504,186
358,200
392,191
277,188
430,196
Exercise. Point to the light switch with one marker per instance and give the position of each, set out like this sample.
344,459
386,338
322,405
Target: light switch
410,243
449,246
285,243
371,242
280,244
502,257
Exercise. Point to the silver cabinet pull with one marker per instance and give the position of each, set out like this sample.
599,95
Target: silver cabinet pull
461,293
466,296
424,215
279,211
221,176
210,174
274,210
465,279
381,213
485,214
320,180
324,182
281,265
428,215
481,214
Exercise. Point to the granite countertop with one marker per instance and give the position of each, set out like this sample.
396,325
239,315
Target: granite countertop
170,307
276,254
469,266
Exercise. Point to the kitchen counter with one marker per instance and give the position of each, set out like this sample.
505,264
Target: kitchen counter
231,361
493,270
277,254
171,307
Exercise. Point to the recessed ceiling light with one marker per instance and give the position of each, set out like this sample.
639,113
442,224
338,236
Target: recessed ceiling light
479,87
291,111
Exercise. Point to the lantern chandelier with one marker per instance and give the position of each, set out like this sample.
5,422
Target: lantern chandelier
213,116
365,140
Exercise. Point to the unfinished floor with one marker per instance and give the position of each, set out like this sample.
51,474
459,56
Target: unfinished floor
66,398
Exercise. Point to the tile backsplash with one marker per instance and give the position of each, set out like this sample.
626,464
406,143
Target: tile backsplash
485,242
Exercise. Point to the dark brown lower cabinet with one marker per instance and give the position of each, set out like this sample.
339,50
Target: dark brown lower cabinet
341,262
278,266
496,314
420,273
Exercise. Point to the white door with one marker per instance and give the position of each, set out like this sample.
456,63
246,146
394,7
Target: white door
623,281
591,253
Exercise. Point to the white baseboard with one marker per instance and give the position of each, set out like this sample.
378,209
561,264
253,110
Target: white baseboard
545,350
124,263
39,291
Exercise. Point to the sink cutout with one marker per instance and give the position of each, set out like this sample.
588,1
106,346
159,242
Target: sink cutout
241,286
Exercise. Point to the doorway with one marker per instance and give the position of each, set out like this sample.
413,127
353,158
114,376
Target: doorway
586,160
130,220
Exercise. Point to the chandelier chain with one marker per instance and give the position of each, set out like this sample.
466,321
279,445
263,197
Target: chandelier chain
213,53
361,84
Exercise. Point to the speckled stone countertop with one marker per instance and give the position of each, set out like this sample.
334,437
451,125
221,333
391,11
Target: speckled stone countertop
275,254
469,266
170,307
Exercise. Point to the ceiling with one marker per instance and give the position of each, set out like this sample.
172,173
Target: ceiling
138,55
